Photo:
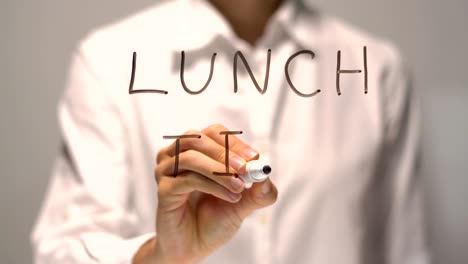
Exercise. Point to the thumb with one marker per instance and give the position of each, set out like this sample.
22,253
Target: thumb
261,194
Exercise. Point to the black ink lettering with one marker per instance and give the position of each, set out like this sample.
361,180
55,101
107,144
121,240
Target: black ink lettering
365,68
182,80
132,80
177,149
340,71
246,64
226,160
288,78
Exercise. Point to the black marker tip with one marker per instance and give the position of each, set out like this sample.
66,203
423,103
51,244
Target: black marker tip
266,169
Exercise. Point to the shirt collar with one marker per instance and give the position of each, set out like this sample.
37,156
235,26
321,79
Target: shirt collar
203,25
300,22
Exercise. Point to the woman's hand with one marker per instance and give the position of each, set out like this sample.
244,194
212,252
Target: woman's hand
198,211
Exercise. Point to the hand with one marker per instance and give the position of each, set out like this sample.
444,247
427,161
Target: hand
197,211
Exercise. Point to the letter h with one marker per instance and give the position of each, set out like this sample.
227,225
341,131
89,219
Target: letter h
339,71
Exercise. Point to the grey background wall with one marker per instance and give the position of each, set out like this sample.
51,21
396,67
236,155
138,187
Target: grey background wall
37,37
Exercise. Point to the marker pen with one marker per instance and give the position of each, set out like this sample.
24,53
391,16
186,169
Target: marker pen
256,171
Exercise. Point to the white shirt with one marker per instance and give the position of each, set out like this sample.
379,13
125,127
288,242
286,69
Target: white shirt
344,165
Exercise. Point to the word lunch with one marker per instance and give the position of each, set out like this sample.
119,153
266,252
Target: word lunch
261,90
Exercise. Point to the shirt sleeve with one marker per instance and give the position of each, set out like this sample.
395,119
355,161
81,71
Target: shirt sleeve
398,180
86,216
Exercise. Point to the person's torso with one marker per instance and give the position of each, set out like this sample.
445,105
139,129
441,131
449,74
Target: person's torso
322,148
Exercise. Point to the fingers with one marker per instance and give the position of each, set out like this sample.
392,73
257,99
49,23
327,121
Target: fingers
203,156
212,144
195,161
205,145
235,144
186,183
261,194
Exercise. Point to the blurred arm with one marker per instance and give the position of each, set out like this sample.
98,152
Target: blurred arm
86,216
404,236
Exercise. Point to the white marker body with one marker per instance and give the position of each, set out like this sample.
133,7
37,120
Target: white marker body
256,171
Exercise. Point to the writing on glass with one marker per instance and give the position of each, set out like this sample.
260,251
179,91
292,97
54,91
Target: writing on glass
262,90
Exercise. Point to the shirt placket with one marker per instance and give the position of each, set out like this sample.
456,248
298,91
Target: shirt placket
261,125
263,216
